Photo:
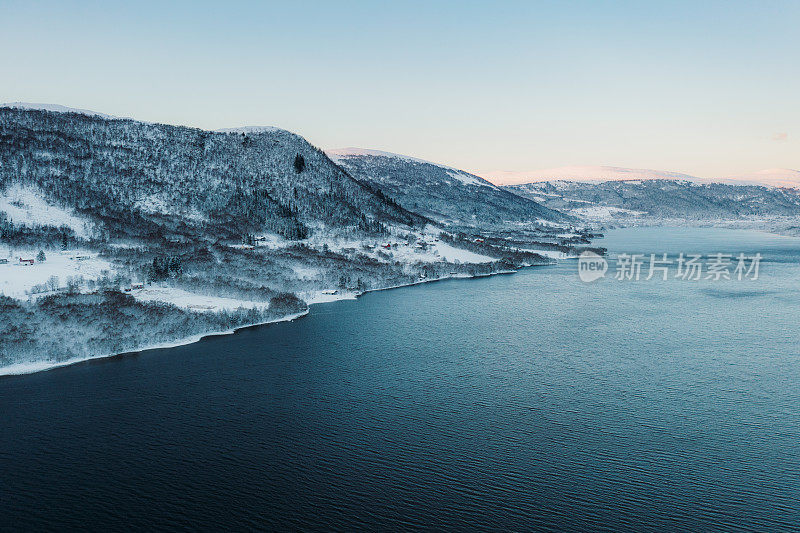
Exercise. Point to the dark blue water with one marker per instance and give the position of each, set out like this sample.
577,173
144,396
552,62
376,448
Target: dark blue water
520,402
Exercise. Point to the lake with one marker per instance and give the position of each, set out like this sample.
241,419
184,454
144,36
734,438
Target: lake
515,402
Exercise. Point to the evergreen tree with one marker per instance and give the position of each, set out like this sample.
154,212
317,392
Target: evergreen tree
299,163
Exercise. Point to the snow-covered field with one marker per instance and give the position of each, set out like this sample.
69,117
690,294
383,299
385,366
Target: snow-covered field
193,301
17,280
423,246
322,297
603,213
399,250
26,205
551,254
157,205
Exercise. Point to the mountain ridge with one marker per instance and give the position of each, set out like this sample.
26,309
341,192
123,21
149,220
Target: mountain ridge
775,177
453,198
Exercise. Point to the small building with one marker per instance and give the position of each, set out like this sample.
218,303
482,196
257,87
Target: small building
3,261
26,262
137,286
478,240
330,292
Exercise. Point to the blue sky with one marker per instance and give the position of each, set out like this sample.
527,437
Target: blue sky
706,88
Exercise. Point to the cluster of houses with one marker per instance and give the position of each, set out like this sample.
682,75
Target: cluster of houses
134,287
23,261
30,261
420,245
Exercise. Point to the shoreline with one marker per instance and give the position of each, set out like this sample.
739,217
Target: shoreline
22,369
734,224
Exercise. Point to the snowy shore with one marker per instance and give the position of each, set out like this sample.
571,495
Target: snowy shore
41,366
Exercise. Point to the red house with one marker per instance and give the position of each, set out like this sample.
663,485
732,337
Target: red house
26,262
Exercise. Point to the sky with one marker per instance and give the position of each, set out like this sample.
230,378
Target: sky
709,89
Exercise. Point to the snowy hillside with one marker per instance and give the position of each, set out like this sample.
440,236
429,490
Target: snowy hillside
137,178
451,197
117,234
26,205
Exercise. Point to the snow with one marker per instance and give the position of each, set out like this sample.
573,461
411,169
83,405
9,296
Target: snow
41,366
468,179
551,254
581,173
601,212
400,250
771,177
251,129
26,205
549,223
193,301
57,109
16,280
157,205
322,297
453,254
272,241
342,153
306,273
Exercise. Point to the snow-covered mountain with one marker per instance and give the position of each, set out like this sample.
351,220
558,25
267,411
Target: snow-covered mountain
117,234
186,181
250,129
582,173
646,201
451,197
773,177
56,108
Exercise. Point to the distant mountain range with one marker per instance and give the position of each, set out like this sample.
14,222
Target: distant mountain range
775,177
582,173
658,200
